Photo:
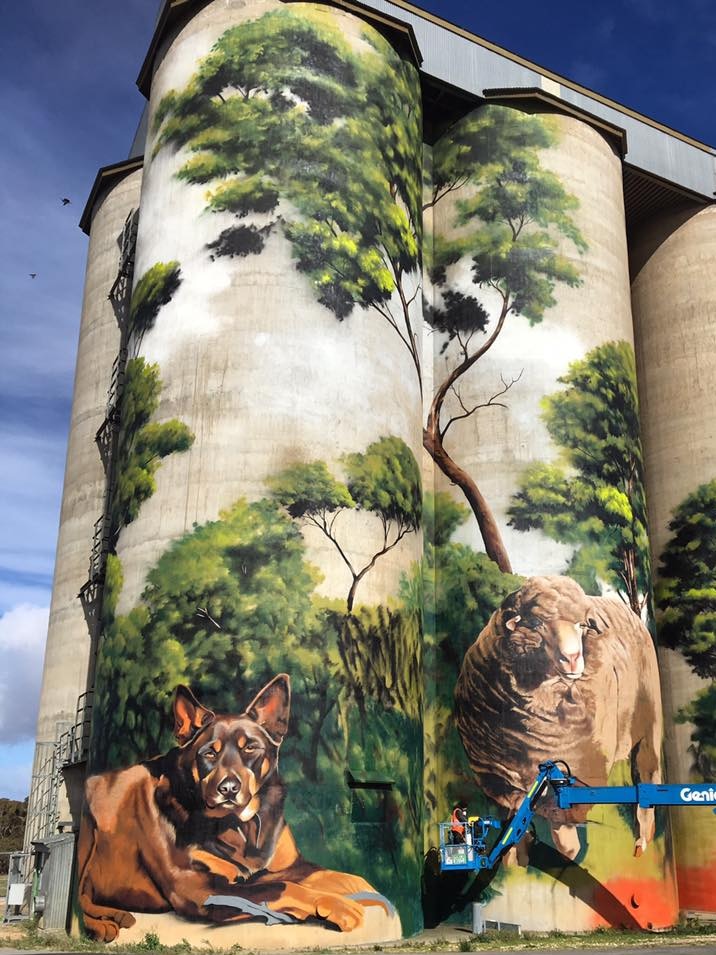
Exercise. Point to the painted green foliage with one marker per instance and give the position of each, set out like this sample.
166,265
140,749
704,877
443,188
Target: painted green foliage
686,601
155,289
593,496
508,219
285,109
384,480
226,608
458,589
243,575
143,443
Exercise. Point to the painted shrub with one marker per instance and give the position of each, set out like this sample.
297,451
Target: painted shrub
686,618
533,428
260,677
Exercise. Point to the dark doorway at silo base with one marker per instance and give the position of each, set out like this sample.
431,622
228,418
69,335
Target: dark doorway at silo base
448,895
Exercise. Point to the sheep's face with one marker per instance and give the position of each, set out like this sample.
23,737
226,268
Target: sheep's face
565,648
550,623
561,641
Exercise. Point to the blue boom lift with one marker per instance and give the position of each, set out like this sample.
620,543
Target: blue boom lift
473,853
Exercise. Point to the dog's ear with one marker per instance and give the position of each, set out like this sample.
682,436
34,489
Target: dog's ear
189,714
270,707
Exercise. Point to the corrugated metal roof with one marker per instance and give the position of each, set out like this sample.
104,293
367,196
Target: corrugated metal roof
645,196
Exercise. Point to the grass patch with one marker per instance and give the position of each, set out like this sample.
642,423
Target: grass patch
30,937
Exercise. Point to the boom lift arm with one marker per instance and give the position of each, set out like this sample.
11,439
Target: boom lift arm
473,854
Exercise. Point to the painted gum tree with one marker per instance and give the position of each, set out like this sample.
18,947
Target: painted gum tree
508,214
297,128
593,496
384,481
294,127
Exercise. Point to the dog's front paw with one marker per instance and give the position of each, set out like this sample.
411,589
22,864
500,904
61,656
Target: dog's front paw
231,872
106,928
345,913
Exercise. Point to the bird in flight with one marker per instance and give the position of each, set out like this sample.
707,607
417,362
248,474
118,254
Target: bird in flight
33,275
66,201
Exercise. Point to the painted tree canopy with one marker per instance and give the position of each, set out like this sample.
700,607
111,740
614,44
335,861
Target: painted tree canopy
287,118
686,588
593,495
701,713
385,480
142,443
154,289
508,215
686,610
220,611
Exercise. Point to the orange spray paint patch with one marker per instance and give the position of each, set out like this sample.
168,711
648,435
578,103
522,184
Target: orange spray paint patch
697,887
643,903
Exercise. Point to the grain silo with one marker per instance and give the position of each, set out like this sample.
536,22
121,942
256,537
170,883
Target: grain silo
674,301
65,707
369,246
545,363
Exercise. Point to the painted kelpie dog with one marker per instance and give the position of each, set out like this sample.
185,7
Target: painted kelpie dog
201,830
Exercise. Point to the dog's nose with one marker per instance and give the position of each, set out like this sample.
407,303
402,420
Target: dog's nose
229,786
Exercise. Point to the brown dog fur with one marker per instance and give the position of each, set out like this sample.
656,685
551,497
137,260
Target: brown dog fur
205,818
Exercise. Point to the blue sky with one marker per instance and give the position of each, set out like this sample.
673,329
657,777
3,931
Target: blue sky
68,105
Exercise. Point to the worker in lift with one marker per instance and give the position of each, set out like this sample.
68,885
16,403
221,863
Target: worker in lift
458,822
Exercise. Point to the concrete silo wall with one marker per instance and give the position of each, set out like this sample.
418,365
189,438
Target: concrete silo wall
68,642
674,298
68,650
540,523
267,511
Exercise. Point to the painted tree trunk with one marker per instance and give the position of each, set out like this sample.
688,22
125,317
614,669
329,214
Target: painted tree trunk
489,528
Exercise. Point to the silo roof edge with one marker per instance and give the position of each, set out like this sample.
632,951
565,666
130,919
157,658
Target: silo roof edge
106,176
173,11
549,74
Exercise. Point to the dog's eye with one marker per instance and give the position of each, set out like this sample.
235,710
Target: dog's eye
210,754
250,748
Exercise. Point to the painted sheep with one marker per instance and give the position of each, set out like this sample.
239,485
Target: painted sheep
556,674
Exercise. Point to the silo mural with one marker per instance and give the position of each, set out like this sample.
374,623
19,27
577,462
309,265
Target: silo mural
257,743
676,360
373,534
542,612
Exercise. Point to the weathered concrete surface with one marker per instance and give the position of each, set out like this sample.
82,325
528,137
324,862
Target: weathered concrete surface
264,377
68,641
674,296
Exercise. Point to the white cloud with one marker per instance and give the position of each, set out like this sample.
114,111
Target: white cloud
30,488
22,642
15,770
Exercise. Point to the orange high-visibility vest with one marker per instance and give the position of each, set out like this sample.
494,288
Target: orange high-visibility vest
456,824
